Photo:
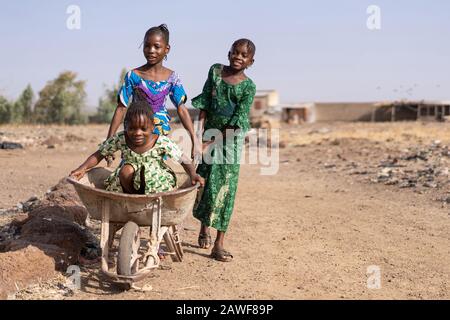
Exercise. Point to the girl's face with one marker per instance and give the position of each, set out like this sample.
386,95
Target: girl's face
139,130
155,48
240,57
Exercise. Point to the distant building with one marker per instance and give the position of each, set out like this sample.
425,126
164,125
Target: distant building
297,113
413,110
266,103
343,111
402,110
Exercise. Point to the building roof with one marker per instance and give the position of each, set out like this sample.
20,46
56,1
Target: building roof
296,105
408,102
264,93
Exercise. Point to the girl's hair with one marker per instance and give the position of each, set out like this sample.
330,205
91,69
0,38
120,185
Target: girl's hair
161,30
138,107
250,45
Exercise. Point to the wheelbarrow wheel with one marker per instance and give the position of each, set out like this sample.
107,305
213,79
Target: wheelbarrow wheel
128,258
173,244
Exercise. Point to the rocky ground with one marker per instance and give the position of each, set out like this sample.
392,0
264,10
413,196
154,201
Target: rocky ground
347,196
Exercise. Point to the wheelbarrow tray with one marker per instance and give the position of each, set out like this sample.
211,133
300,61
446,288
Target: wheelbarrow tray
160,211
176,204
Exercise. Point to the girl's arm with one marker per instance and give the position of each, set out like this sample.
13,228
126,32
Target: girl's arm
186,120
190,170
201,121
117,119
90,162
201,128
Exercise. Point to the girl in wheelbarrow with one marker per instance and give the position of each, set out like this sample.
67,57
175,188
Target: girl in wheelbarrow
142,170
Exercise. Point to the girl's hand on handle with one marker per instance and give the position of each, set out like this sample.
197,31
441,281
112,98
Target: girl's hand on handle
197,178
206,144
77,174
90,162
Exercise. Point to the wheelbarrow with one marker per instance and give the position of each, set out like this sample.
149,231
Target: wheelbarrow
162,212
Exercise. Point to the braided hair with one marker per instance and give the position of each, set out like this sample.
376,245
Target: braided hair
250,45
161,30
138,107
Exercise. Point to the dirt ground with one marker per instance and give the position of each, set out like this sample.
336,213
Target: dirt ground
347,196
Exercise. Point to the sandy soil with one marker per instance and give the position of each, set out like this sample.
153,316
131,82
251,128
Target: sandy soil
308,232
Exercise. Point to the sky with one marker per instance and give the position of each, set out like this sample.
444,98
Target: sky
307,50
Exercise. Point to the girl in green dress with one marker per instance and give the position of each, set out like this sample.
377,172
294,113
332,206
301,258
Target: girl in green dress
225,104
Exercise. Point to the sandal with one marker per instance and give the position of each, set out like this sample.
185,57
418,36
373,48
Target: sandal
204,240
222,255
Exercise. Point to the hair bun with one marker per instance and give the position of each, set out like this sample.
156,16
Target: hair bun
163,27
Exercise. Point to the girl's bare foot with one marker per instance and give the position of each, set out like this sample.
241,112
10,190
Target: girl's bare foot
204,238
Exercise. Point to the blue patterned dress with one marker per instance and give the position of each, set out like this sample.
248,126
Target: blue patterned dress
156,95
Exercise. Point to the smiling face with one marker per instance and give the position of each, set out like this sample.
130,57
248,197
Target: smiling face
139,130
155,48
240,57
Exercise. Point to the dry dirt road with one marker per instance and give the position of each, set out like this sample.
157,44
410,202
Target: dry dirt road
304,233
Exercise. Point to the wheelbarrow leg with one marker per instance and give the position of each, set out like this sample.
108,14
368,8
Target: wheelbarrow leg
156,235
105,235
113,228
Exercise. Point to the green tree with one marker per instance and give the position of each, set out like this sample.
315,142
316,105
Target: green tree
5,110
61,100
22,111
108,103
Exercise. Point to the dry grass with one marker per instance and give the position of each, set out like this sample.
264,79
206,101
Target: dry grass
400,132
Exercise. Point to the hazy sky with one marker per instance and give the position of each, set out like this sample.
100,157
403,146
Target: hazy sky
307,50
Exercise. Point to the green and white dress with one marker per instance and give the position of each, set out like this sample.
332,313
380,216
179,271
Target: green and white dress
225,105
158,176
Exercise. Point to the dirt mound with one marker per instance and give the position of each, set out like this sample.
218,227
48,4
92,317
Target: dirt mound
52,141
22,268
65,195
70,212
54,227
73,138
346,141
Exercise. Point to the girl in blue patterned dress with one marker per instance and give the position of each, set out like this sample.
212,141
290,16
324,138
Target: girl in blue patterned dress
156,82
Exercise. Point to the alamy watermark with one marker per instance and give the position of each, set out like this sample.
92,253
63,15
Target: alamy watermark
373,277
73,282
233,146
374,20
73,21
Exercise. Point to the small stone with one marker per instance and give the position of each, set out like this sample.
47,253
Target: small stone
430,184
437,142
33,198
385,173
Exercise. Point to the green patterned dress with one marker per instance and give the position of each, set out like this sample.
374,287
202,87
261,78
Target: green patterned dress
158,176
225,105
